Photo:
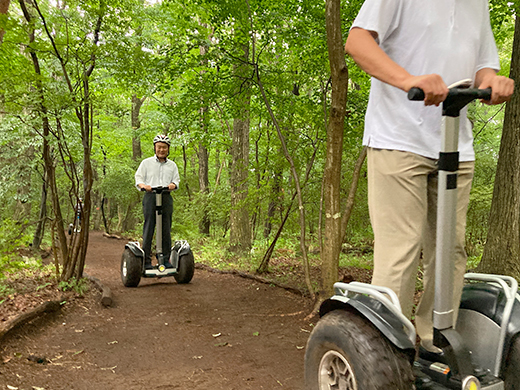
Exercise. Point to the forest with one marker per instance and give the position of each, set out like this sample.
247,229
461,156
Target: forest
265,113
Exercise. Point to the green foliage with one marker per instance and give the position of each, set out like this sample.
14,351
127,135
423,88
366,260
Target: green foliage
180,59
80,286
13,236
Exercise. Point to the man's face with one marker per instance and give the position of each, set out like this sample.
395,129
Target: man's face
161,150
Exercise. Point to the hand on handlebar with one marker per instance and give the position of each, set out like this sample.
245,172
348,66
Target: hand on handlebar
435,90
146,188
501,86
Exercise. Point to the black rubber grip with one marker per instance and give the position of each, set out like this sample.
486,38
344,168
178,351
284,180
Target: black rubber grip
416,94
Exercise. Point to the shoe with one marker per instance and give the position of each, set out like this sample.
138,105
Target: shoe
148,266
167,264
429,347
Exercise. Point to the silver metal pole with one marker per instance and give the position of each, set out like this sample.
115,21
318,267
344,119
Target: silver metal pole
443,315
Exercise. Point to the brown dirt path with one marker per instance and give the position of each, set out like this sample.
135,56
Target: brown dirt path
219,332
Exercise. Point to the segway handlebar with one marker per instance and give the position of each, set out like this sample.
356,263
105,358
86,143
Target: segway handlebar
457,98
158,190
454,93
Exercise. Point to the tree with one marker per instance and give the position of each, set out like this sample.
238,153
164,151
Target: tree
4,7
502,251
332,175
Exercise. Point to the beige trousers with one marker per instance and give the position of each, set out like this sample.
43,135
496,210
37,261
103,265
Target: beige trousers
402,199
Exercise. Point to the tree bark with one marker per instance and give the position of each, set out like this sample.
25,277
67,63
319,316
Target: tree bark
332,175
40,226
203,154
4,7
136,125
352,192
240,229
502,251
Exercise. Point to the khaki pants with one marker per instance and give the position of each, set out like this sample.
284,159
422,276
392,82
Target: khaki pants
402,199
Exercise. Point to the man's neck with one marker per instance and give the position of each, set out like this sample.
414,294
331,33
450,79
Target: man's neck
161,159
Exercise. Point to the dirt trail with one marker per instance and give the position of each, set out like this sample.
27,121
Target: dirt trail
219,332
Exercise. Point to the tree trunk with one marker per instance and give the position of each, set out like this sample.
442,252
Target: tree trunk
298,187
49,167
275,200
204,224
4,7
502,251
240,230
352,193
136,125
335,128
40,226
75,261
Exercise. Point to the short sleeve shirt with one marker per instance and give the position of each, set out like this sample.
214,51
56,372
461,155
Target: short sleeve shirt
157,174
452,38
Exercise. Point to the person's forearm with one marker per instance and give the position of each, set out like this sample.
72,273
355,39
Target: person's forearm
365,51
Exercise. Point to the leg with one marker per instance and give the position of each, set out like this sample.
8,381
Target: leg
424,313
397,203
149,225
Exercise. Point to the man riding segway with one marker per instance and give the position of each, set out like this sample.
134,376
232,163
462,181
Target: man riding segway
158,176
157,171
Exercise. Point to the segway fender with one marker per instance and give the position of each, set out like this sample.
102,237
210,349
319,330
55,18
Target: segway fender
376,313
135,248
182,247
490,301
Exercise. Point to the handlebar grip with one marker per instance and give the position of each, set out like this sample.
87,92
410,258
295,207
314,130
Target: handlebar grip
485,94
416,94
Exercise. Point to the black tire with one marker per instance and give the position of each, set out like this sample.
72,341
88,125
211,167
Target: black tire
511,370
186,268
346,352
131,268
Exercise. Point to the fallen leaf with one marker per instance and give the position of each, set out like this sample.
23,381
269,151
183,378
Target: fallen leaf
217,334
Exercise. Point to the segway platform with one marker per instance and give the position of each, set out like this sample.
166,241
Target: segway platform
181,259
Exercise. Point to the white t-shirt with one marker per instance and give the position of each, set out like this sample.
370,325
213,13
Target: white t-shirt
452,38
157,174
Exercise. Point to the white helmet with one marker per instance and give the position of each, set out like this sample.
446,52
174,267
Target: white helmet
162,138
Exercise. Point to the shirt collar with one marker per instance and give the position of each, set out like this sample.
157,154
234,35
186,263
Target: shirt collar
159,161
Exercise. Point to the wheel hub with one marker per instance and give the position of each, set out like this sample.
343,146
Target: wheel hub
335,373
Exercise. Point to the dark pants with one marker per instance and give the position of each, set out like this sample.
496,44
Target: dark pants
149,223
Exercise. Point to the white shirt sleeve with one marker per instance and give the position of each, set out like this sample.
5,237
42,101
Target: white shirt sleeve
140,174
380,16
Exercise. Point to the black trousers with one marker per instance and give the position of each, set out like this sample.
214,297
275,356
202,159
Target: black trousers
149,223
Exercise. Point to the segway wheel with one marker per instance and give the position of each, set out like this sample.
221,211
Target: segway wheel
186,268
511,371
131,268
346,352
